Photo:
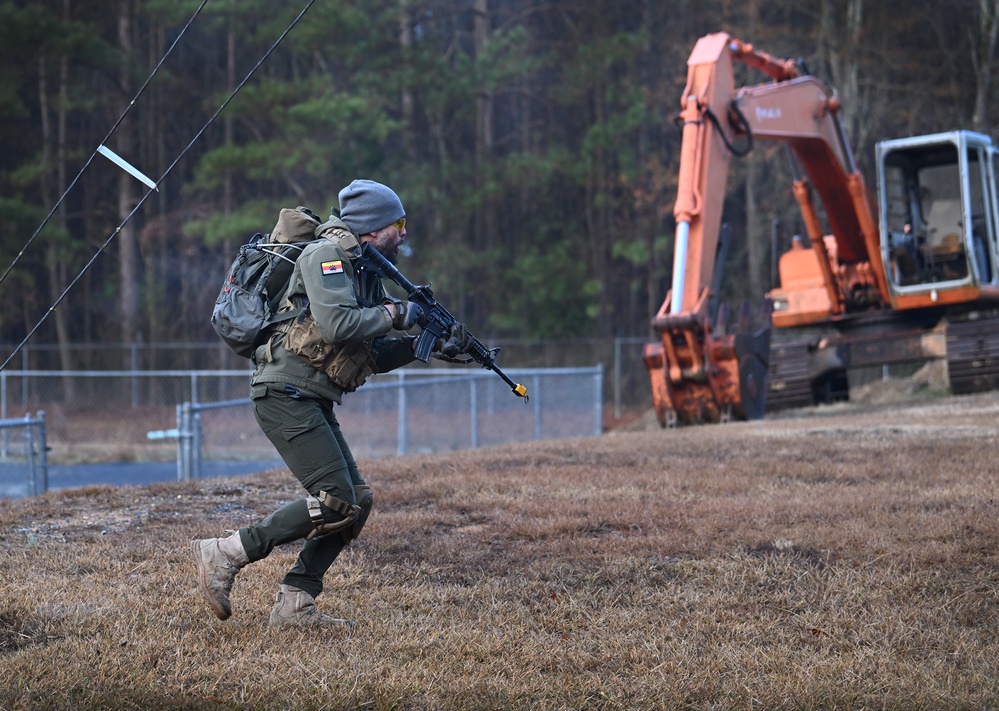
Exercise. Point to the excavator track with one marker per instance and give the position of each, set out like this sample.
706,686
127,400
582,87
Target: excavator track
789,385
973,355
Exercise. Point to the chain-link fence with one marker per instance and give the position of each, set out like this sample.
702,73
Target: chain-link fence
134,416
104,416
401,413
626,381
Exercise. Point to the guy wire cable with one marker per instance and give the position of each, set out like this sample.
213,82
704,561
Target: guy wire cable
114,128
176,160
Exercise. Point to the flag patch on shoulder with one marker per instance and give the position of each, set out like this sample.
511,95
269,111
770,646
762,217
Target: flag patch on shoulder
332,267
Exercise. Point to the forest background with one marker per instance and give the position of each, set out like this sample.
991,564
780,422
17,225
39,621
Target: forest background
532,141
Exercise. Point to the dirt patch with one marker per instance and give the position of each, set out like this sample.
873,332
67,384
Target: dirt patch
929,382
19,630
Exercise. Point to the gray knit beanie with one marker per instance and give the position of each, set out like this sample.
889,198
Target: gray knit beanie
367,206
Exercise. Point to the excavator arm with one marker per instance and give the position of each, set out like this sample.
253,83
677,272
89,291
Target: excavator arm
700,370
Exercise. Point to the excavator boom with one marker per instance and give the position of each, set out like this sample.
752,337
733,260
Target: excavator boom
700,371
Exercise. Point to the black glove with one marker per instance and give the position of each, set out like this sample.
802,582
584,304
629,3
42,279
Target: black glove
457,342
406,314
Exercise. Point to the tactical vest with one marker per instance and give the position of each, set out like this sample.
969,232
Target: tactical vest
348,365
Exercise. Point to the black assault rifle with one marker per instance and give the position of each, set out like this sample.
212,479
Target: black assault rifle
436,321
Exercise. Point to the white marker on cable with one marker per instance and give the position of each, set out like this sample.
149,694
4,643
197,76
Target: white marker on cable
126,166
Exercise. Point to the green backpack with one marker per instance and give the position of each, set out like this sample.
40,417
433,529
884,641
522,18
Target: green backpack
247,305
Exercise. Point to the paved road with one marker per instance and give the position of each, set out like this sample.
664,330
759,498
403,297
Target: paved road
12,484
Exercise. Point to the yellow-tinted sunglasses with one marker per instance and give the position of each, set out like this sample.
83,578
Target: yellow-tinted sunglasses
400,224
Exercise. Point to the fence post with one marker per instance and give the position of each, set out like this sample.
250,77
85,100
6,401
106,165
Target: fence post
183,442
133,362
3,412
43,461
24,381
195,419
473,410
37,464
617,378
403,444
29,446
598,400
536,399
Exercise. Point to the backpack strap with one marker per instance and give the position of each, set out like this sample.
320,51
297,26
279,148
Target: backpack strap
280,324
333,231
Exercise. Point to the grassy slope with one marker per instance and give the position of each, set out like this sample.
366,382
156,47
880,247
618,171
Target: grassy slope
841,558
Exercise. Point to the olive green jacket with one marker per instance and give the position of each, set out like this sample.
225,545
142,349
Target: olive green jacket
347,305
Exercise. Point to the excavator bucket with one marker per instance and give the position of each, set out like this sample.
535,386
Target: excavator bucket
717,373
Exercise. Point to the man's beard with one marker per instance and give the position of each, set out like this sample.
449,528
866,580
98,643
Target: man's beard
387,247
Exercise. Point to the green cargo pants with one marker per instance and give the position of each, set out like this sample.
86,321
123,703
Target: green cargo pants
305,432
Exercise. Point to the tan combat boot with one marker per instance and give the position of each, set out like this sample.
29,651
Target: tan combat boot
296,608
218,561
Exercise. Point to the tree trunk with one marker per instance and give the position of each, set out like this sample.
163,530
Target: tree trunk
983,61
128,271
154,153
483,116
838,46
486,217
406,99
756,243
59,265
229,118
56,265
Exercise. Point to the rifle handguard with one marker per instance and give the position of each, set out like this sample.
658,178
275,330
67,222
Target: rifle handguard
436,320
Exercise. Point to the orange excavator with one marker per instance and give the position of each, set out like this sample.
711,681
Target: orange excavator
906,275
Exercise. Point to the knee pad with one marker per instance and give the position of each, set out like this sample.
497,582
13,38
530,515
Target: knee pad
346,514
365,500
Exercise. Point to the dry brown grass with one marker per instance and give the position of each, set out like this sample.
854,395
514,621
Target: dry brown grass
841,558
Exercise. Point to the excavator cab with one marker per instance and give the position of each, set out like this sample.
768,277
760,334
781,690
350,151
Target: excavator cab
938,215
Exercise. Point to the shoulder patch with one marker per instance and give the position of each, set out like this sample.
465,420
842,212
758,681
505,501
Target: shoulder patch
332,267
